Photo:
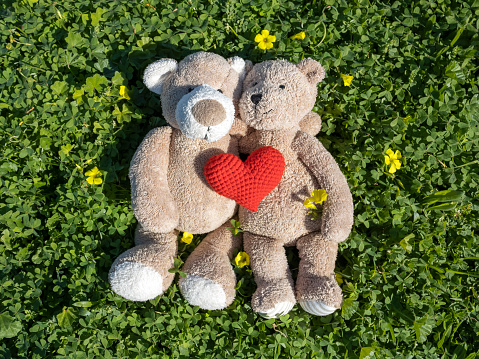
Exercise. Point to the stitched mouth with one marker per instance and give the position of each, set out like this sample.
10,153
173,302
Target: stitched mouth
264,113
207,134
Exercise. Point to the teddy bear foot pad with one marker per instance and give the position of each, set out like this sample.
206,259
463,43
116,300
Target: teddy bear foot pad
317,308
203,292
135,281
279,310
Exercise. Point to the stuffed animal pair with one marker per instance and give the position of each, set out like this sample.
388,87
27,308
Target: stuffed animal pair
178,173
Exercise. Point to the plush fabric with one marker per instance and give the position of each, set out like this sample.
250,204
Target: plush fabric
271,273
277,99
157,72
141,273
153,205
201,210
169,190
311,123
198,69
249,182
210,282
284,94
205,113
337,218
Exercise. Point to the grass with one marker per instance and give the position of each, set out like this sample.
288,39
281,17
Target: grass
409,269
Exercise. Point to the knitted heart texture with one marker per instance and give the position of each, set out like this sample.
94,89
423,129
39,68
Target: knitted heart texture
249,182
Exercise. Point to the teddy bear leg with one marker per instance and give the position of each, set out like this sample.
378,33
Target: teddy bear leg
141,273
210,281
274,296
317,291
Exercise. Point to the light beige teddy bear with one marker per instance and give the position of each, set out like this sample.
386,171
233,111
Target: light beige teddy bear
168,189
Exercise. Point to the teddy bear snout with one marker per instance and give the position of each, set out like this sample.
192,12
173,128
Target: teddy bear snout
208,112
205,113
256,98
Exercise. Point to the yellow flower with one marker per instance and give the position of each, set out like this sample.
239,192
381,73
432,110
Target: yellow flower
393,160
318,196
299,36
308,203
187,237
265,40
242,259
92,176
124,93
339,278
347,79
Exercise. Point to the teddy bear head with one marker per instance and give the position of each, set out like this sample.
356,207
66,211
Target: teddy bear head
278,94
199,93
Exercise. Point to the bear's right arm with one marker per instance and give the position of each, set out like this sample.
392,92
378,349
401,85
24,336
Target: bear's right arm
153,205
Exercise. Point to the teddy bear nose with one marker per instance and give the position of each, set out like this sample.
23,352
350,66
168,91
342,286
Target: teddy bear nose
208,112
256,98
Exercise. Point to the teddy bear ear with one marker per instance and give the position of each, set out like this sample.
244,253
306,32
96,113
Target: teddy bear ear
241,66
156,74
312,69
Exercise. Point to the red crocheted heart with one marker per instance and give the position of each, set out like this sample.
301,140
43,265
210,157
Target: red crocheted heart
249,182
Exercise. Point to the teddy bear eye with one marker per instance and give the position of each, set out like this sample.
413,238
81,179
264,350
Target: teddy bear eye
190,89
219,90
281,87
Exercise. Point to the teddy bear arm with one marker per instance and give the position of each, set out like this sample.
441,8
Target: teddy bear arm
337,218
311,123
152,202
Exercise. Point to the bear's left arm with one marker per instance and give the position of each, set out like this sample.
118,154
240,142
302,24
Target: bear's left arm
337,219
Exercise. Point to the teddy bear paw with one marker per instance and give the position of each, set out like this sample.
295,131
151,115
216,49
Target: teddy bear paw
203,292
135,281
316,307
280,309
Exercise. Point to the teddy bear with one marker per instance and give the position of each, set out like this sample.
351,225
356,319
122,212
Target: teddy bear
276,96
168,190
